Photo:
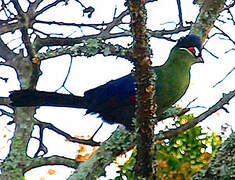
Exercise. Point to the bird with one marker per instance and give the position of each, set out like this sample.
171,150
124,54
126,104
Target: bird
115,101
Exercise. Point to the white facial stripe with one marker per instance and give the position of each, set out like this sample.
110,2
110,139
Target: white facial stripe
197,52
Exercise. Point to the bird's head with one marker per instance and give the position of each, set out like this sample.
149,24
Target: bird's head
188,49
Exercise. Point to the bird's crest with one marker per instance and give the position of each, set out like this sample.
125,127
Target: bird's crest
192,43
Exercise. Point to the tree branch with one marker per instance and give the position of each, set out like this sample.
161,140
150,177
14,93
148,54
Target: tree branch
145,92
18,8
219,105
66,135
6,52
60,41
48,7
52,160
121,141
209,12
89,48
225,34
180,12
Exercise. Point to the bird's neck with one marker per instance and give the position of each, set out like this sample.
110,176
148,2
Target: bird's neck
177,66
177,73
179,60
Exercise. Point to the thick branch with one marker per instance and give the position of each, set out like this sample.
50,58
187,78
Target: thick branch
28,45
33,6
208,14
56,41
10,27
145,83
60,41
17,157
18,8
31,58
89,48
5,52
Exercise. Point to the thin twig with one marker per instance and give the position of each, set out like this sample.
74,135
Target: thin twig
66,135
66,77
224,77
180,12
225,34
219,105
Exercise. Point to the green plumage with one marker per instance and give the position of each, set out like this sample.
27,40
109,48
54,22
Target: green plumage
173,78
115,101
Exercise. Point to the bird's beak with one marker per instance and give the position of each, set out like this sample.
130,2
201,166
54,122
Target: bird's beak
200,59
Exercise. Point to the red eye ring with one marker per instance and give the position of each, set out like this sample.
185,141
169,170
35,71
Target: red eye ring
194,50
191,49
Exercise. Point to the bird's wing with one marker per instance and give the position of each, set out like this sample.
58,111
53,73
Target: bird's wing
111,95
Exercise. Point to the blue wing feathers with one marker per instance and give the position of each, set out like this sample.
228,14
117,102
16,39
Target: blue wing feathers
110,95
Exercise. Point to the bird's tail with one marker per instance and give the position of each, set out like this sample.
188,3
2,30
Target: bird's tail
26,98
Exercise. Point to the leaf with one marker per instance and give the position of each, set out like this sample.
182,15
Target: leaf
51,171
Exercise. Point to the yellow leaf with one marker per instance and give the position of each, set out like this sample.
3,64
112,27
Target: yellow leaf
82,158
206,155
51,171
35,60
162,163
82,148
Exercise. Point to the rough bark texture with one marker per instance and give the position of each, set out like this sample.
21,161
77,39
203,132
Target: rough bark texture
145,92
209,11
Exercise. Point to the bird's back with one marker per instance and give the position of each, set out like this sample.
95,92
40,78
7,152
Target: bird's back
115,101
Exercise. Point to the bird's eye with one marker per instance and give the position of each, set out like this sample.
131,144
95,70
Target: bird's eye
194,50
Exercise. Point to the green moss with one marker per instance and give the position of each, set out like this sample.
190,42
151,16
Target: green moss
208,14
12,166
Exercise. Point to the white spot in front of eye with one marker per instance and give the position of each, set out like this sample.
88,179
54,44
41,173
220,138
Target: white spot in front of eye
196,51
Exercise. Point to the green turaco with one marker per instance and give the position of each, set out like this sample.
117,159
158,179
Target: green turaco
115,101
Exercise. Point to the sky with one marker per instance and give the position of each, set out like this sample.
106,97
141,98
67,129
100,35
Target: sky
87,73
